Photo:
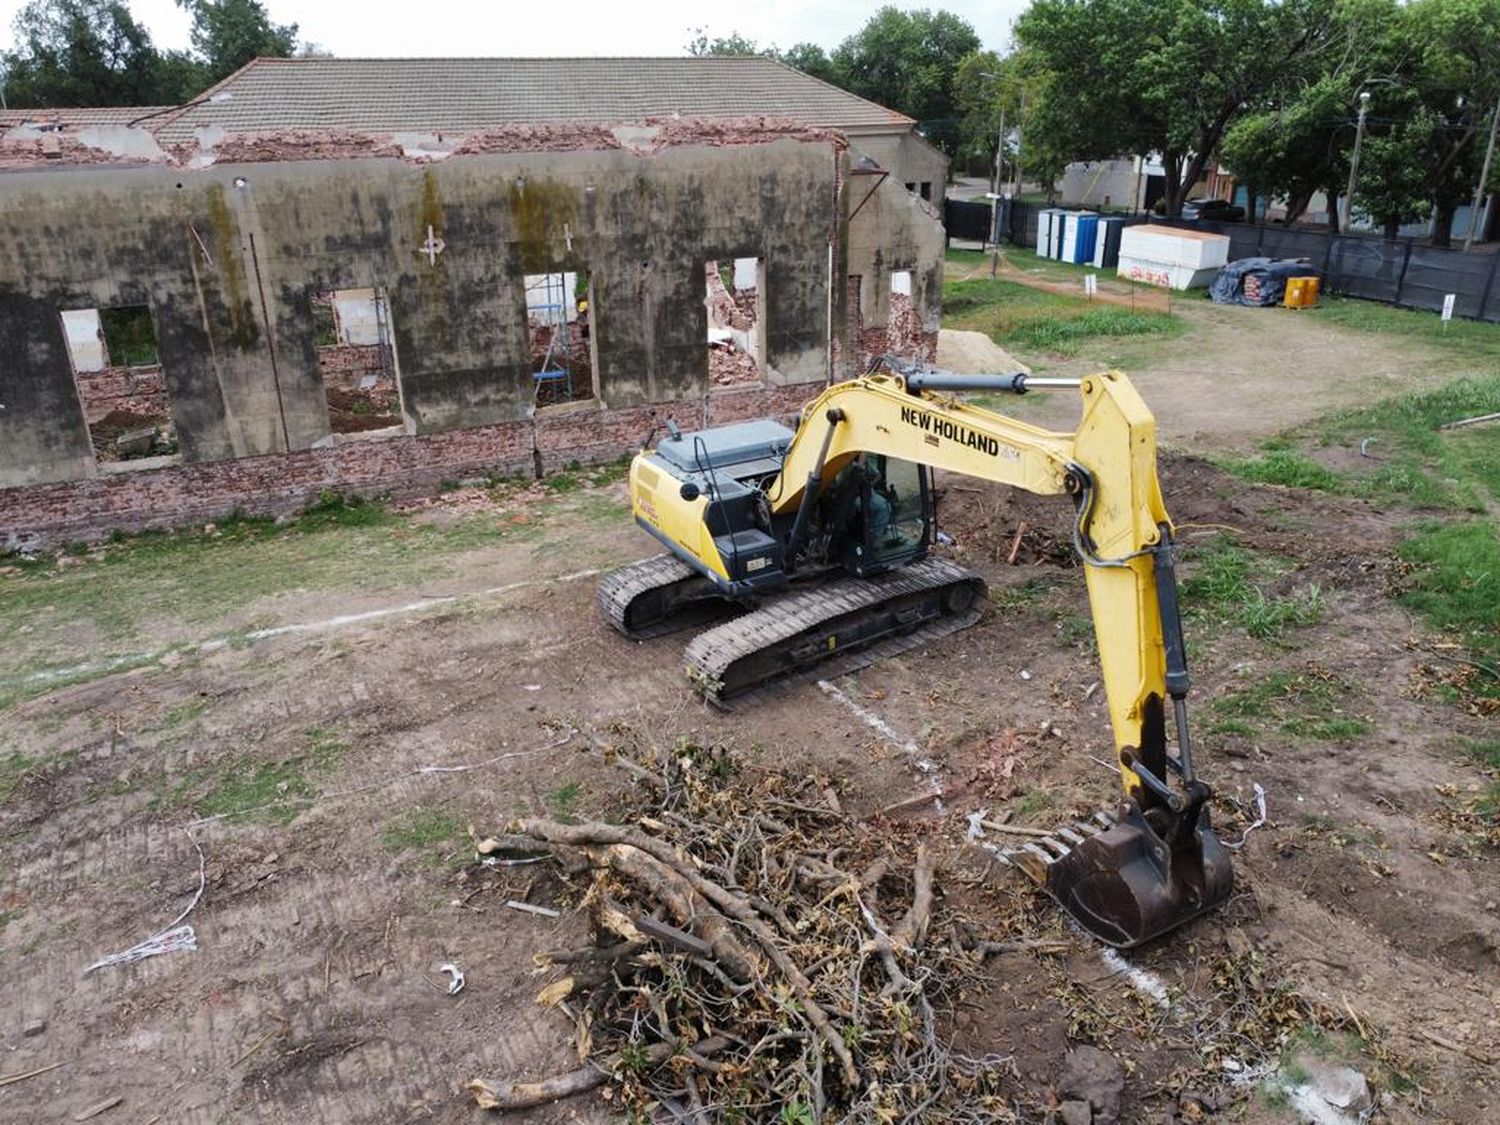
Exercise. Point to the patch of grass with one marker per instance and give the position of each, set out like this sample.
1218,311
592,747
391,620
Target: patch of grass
269,791
1034,319
1033,801
183,713
1412,461
563,801
1303,705
13,767
1285,467
1476,341
430,831
1455,585
1486,752
9,916
1020,596
1220,587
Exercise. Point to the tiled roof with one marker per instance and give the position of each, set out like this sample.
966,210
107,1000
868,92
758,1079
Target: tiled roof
81,118
457,95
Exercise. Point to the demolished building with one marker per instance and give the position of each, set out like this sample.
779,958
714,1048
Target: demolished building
377,275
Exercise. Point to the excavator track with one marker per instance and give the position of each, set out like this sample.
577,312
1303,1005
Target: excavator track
810,627
656,596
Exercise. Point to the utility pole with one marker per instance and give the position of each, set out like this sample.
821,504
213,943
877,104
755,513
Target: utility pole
999,173
1359,136
1484,175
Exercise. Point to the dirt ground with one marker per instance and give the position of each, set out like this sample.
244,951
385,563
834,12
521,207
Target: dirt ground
1365,922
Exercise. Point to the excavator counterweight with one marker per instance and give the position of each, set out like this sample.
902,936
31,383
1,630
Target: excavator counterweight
811,545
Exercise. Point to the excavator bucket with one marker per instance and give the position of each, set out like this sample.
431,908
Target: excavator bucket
1125,881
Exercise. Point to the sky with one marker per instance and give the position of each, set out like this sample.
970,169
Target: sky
352,28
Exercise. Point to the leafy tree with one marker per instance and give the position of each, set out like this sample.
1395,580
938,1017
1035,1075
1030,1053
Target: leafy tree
83,53
1167,76
1456,85
810,59
909,62
227,34
733,44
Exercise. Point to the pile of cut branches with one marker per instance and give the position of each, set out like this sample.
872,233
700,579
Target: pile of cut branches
757,955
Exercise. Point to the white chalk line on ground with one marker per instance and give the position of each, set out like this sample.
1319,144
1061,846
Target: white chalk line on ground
137,659
925,765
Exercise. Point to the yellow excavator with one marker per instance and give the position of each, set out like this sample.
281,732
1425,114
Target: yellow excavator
814,545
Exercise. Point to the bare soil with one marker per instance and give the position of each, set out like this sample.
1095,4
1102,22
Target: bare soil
1368,905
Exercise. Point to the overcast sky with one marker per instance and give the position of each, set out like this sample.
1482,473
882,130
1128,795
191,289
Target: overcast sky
580,27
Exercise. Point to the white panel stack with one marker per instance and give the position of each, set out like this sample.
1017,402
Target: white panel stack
1171,258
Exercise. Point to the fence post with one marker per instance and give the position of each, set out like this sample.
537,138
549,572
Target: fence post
1489,285
1327,253
1401,277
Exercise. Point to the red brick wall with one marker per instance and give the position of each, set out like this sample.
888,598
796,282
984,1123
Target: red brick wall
135,390
44,515
343,365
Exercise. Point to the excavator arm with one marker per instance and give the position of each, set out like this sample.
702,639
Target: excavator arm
1155,862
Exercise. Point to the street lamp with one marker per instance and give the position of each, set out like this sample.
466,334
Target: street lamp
999,165
1359,136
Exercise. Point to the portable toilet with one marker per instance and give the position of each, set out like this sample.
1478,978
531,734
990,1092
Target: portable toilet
1059,233
1078,246
1044,219
1107,240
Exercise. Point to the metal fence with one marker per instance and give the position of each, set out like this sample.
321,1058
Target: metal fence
1401,272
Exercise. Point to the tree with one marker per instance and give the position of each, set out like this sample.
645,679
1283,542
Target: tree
909,61
84,53
227,34
1164,76
1456,85
734,43
811,59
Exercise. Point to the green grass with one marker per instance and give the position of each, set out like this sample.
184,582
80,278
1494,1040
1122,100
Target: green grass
1411,462
1033,801
1298,704
1030,319
1477,342
13,767
272,792
429,831
1455,585
562,802
1220,587
1020,596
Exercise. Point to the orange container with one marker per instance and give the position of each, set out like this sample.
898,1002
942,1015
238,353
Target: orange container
1301,292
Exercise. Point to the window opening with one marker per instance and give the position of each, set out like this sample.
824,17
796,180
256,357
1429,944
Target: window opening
735,299
357,362
903,325
559,318
117,370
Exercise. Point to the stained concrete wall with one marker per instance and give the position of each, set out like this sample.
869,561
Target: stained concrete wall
229,258
909,158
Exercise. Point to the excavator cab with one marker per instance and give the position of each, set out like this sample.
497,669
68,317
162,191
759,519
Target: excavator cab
883,509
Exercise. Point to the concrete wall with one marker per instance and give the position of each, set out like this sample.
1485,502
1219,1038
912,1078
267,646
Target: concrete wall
229,258
909,158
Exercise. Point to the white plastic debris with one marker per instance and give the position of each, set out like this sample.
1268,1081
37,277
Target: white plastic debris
1260,818
456,984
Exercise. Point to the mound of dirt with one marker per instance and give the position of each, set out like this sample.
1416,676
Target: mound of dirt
974,353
